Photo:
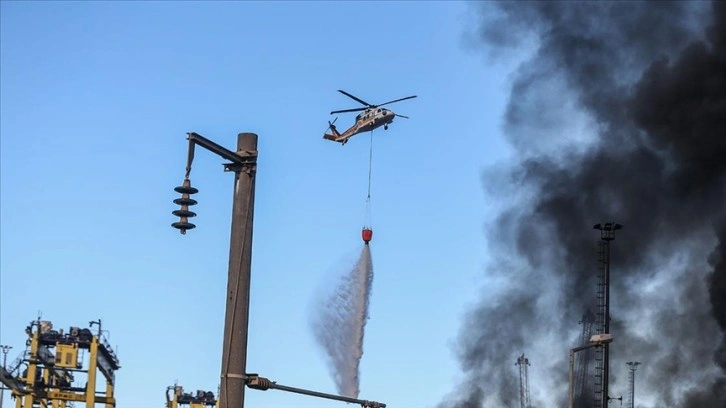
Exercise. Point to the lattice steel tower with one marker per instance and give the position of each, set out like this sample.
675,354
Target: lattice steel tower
583,379
631,382
602,354
523,362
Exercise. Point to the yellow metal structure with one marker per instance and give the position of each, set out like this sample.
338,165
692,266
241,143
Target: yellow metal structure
53,362
181,399
66,355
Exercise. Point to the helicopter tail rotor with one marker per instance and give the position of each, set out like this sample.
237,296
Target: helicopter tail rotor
331,126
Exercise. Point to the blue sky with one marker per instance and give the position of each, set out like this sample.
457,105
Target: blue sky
96,100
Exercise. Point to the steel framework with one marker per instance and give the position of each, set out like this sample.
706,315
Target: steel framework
523,362
602,354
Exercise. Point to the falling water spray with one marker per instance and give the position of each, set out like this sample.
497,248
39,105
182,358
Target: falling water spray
339,324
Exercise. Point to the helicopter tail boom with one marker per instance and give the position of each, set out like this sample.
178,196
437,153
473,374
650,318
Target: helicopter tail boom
331,137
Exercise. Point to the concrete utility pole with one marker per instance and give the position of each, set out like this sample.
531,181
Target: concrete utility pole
234,350
244,165
5,350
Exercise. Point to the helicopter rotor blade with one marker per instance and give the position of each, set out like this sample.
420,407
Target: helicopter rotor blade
355,98
401,116
348,110
398,100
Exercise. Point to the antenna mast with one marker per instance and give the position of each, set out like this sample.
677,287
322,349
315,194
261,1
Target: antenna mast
633,365
523,362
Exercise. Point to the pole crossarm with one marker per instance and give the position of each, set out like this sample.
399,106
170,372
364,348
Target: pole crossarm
585,347
241,158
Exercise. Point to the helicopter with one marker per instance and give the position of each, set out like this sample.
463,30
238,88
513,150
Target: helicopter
372,117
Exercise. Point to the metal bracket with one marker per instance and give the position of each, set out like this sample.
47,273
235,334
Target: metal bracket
248,167
240,157
240,376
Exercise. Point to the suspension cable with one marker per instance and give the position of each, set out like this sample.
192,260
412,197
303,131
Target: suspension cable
370,166
367,221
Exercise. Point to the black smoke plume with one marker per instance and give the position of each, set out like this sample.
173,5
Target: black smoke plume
619,115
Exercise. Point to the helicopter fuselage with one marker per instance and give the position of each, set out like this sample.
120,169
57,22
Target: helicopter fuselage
366,121
370,118
373,118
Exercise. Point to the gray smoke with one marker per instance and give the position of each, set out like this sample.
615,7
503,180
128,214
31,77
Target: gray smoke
339,324
619,115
